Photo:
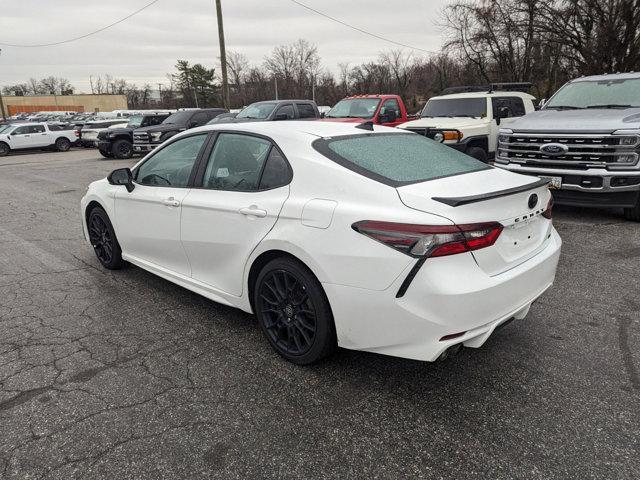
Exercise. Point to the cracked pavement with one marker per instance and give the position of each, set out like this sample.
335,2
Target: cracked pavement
123,375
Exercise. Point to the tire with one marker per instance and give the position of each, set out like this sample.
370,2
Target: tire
4,149
633,213
293,312
63,144
477,153
122,149
105,154
103,239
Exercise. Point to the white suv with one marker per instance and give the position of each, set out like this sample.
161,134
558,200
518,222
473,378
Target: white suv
470,121
23,136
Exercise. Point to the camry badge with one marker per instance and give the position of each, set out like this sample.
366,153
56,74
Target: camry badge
554,149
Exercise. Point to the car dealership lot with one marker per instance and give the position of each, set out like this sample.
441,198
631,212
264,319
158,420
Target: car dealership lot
123,375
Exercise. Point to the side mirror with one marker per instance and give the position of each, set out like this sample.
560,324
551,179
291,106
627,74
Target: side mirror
122,176
388,117
192,124
541,104
322,114
503,112
281,116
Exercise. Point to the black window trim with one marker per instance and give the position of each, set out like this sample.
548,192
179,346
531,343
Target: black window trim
321,145
204,158
172,140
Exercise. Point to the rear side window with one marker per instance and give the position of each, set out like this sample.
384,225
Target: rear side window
276,172
397,159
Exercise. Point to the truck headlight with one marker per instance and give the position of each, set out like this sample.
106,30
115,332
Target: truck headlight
155,136
448,136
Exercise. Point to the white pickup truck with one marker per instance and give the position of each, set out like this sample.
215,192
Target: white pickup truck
23,136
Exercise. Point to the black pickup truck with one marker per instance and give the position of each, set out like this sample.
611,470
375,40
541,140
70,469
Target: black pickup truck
118,142
148,138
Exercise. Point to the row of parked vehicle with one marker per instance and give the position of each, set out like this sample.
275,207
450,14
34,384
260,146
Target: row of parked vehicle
585,140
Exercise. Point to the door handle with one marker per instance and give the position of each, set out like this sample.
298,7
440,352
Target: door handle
171,202
253,211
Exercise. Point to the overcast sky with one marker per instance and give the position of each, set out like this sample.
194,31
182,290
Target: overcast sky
145,47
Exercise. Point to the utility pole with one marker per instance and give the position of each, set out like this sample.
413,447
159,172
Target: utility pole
160,94
275,80
1,102
223,57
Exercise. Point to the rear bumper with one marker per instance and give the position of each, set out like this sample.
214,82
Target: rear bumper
448,295
593,187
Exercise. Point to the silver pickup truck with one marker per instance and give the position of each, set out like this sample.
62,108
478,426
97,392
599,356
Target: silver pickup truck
585,140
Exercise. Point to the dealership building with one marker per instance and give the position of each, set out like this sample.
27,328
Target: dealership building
14,104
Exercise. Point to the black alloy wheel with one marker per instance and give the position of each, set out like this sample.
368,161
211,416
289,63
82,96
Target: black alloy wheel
103,239
288,312
293,312
4,149
122,149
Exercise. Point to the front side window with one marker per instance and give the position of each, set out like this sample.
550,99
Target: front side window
354,108
37,129
22,130
391,105
136,121
397,158
171,165
456,107
514,106
236,162
201,118
286,110
306,110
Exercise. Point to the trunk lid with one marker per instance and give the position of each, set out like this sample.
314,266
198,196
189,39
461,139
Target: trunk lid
491,195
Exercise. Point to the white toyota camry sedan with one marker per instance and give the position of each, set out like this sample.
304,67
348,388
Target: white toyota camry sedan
363,237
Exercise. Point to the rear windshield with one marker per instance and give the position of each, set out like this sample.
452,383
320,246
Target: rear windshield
397,159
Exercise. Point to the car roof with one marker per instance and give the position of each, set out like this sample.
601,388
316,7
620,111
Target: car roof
497,93
300,129
607,76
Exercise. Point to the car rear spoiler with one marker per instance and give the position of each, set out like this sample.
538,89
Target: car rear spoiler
457,201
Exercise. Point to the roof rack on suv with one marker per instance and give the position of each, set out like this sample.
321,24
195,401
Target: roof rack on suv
503,86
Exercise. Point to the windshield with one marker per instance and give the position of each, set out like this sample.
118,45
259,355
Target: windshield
456,107
135,121
397,158
257,111
179,118
601,94
4,128
354,108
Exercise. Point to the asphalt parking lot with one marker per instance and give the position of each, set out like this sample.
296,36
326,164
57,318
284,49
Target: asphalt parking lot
123,375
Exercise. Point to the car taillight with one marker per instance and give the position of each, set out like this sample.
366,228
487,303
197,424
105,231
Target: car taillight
76,133
548,213
431,240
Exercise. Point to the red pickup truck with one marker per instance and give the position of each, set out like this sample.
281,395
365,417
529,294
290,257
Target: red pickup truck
387,110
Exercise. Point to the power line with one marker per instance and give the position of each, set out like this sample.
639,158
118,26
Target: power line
359,29
82,36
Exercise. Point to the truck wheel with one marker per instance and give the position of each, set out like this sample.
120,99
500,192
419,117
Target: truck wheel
477,153
122,149
63,144
105,154
632,213
4,149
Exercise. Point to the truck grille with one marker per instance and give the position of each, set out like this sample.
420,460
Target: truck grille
571,151
140,138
